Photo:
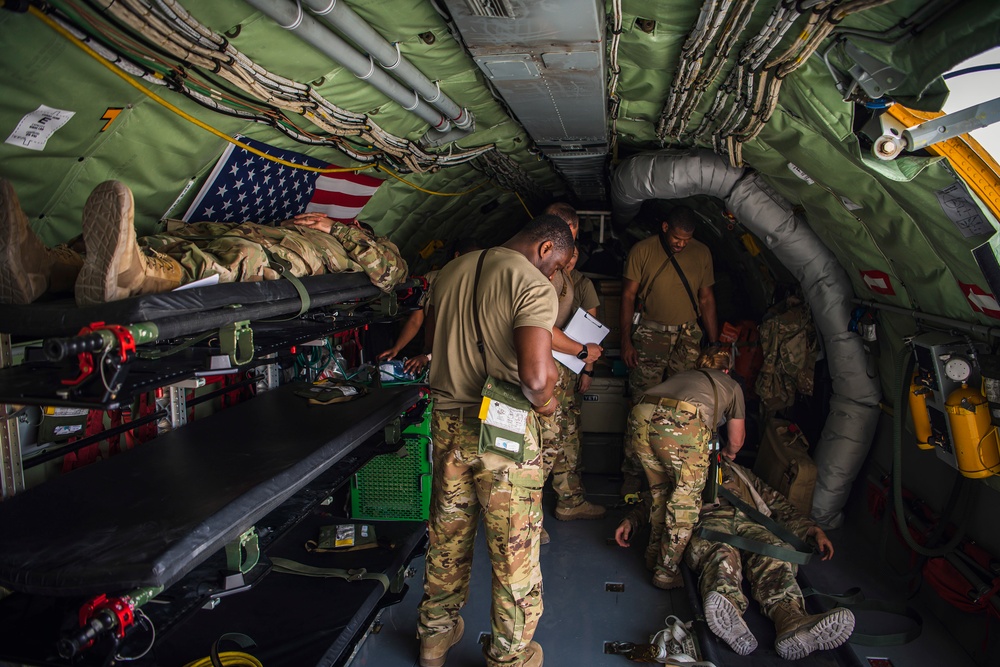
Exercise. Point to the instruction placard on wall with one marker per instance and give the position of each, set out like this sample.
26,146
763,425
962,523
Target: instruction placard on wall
35,128
958,205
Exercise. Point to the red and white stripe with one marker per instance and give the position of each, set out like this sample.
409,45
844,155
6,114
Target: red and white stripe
342,196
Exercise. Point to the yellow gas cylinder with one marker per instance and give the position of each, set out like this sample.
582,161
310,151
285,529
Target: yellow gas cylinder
918,410
977,450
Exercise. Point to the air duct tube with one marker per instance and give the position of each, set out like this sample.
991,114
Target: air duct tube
850,426
293,18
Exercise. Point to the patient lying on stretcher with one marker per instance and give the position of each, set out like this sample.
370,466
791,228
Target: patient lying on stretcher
116,265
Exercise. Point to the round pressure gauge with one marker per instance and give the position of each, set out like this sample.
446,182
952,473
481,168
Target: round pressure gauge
958,369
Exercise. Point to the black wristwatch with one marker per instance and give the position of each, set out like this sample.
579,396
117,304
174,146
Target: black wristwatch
586,372
582,354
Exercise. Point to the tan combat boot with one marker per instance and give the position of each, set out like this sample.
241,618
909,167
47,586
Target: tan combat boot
532,655
434,649
115,267
585,510
799,634
28,268
726,622
667,580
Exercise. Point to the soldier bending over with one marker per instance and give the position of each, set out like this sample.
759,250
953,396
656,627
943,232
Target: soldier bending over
772,581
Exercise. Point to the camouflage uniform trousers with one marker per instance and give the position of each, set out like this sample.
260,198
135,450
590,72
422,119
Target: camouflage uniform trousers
561,441
673,448
509,497
772,581
658,351
239,253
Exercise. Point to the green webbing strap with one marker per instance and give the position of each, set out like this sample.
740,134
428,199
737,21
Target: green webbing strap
236,342
855,600
801,553
248,543
285,566
284,269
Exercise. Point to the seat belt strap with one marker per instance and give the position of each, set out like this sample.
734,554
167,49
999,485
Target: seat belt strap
284,269
285,566
801,553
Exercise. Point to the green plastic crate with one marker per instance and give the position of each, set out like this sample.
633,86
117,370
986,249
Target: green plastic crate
393,487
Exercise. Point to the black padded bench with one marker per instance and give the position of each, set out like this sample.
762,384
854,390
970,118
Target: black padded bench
147,517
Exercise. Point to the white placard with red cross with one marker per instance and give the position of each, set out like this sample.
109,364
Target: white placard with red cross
878,282
980,300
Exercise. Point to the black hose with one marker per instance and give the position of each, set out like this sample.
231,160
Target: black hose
103,435
905,363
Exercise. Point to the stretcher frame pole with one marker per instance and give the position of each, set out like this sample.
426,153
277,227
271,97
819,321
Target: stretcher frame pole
11,470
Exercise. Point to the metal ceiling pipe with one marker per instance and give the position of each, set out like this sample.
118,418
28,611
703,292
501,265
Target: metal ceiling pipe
291,17
339,16
850,425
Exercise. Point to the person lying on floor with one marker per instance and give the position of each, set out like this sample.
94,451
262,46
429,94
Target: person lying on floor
113,264
772,581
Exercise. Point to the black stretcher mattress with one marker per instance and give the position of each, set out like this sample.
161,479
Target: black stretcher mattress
63,318
150,515
299,621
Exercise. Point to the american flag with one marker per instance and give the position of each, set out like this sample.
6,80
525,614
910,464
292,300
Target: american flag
244,187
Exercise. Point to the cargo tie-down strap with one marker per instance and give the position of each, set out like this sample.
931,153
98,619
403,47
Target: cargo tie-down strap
855,600
285,566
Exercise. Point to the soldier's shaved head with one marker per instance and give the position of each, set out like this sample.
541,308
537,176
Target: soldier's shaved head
682,218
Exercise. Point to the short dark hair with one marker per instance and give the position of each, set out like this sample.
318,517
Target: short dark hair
682,218
549,227
564,211
463,245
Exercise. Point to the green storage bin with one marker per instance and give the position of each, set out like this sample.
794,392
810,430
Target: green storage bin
394,487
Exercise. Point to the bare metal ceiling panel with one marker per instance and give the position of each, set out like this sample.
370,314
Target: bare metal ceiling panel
546,59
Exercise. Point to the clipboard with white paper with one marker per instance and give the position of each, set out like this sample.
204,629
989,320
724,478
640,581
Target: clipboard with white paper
583,328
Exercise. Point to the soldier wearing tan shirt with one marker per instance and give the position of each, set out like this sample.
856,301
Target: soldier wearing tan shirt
667,339
517,310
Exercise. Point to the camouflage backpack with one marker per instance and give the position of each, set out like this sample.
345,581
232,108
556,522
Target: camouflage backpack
789,342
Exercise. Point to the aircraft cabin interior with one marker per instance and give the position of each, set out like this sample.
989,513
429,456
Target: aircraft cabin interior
227,313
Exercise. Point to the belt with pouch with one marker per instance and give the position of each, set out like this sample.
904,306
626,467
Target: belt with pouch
683,406
668,328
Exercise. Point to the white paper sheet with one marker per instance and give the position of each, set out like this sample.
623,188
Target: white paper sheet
203,282
583,328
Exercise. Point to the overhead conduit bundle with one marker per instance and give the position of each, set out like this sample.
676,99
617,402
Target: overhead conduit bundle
850,425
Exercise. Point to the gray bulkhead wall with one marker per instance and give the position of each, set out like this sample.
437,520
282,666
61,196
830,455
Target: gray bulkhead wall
850,426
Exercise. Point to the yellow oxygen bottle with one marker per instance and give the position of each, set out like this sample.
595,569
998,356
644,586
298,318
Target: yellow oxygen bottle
977,450
918,411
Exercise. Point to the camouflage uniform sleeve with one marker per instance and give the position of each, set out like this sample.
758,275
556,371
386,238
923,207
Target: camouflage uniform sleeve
638,516
783,511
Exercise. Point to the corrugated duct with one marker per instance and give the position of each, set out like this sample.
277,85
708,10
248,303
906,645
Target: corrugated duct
850,426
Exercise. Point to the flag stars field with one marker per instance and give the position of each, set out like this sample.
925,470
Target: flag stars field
240,188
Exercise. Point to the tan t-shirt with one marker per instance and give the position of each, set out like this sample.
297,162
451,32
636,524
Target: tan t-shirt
668,301
584,292
513,293
430,277
694,387
564,293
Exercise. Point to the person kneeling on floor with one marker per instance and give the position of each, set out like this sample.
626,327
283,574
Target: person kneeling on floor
772,581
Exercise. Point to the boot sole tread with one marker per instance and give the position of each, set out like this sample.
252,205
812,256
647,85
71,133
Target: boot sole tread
828,633
725,622
96,284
